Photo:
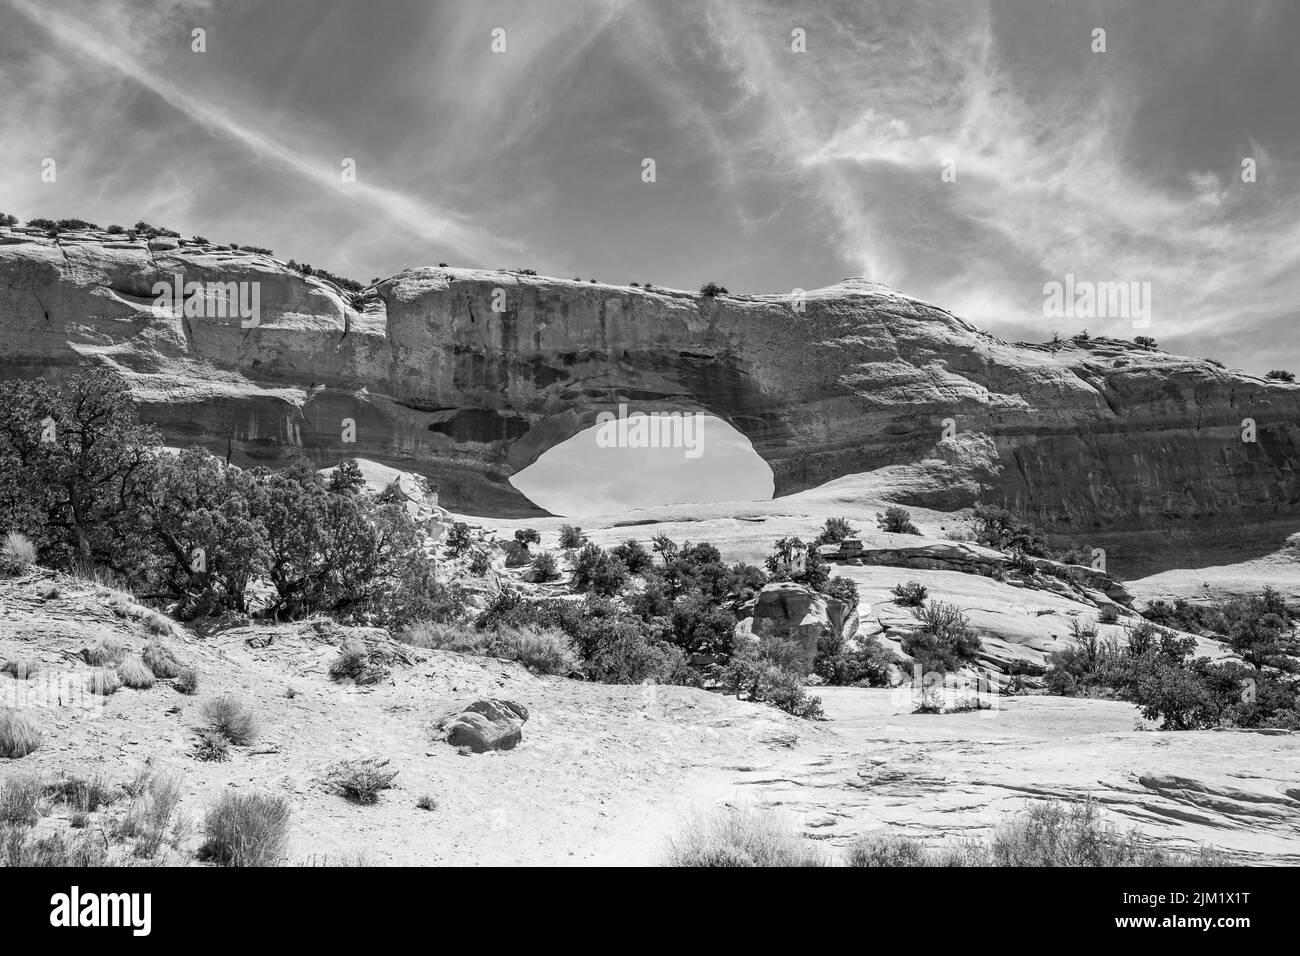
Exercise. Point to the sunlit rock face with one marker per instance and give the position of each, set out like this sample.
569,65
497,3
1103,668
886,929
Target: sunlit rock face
469,376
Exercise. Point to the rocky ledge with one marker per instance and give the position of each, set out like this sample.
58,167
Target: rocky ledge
468,376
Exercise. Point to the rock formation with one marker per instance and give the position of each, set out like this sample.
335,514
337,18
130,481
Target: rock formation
800,615
468,376
484,725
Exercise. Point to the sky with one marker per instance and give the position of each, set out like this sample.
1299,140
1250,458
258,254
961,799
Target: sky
774,168
607,468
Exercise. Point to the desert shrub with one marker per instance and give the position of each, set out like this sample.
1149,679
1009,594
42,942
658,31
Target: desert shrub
360,780
570,536
21,668
596,570
20,847
209,541
187,680
1154,669
106,652
889,850
528,536
698,567
1045,835
1258,627
791,560
844,590
634,556
544,567
17,554
211,746
416,594
154,798
338,553
702,626
711,289
81,794
1280,375
621,651
835,531
944,641
517,553
896,520
910,594
652,601
160,659
541,650
8,219
1109,614
768,672
461,638
81,493
228,717
1144,342
246,830
743,837
1056,834
746,580
354,663
135,673
867,665
103,681
427,802
21,799
125,606
998,528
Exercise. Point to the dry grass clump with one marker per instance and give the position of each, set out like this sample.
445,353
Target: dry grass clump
19,734
17,554
541,650
18,847
125,606
21,668
154,798
211,747
81,794
360,780
354,663
228,717
21,801
135,673
158,657
1048,834
106,653
461,638
743,837
187,680
103,681
246,830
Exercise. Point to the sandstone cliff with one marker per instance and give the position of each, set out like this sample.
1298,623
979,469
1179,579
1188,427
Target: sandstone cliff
1097,436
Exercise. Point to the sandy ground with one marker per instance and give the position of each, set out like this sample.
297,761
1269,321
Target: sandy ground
606,773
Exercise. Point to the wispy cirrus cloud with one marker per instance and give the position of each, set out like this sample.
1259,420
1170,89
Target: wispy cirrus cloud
776,169
107,46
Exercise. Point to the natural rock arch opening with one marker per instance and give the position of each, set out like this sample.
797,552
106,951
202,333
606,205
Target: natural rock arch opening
645,461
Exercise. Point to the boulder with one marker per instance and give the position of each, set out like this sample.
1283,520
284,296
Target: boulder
796,613
486,724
